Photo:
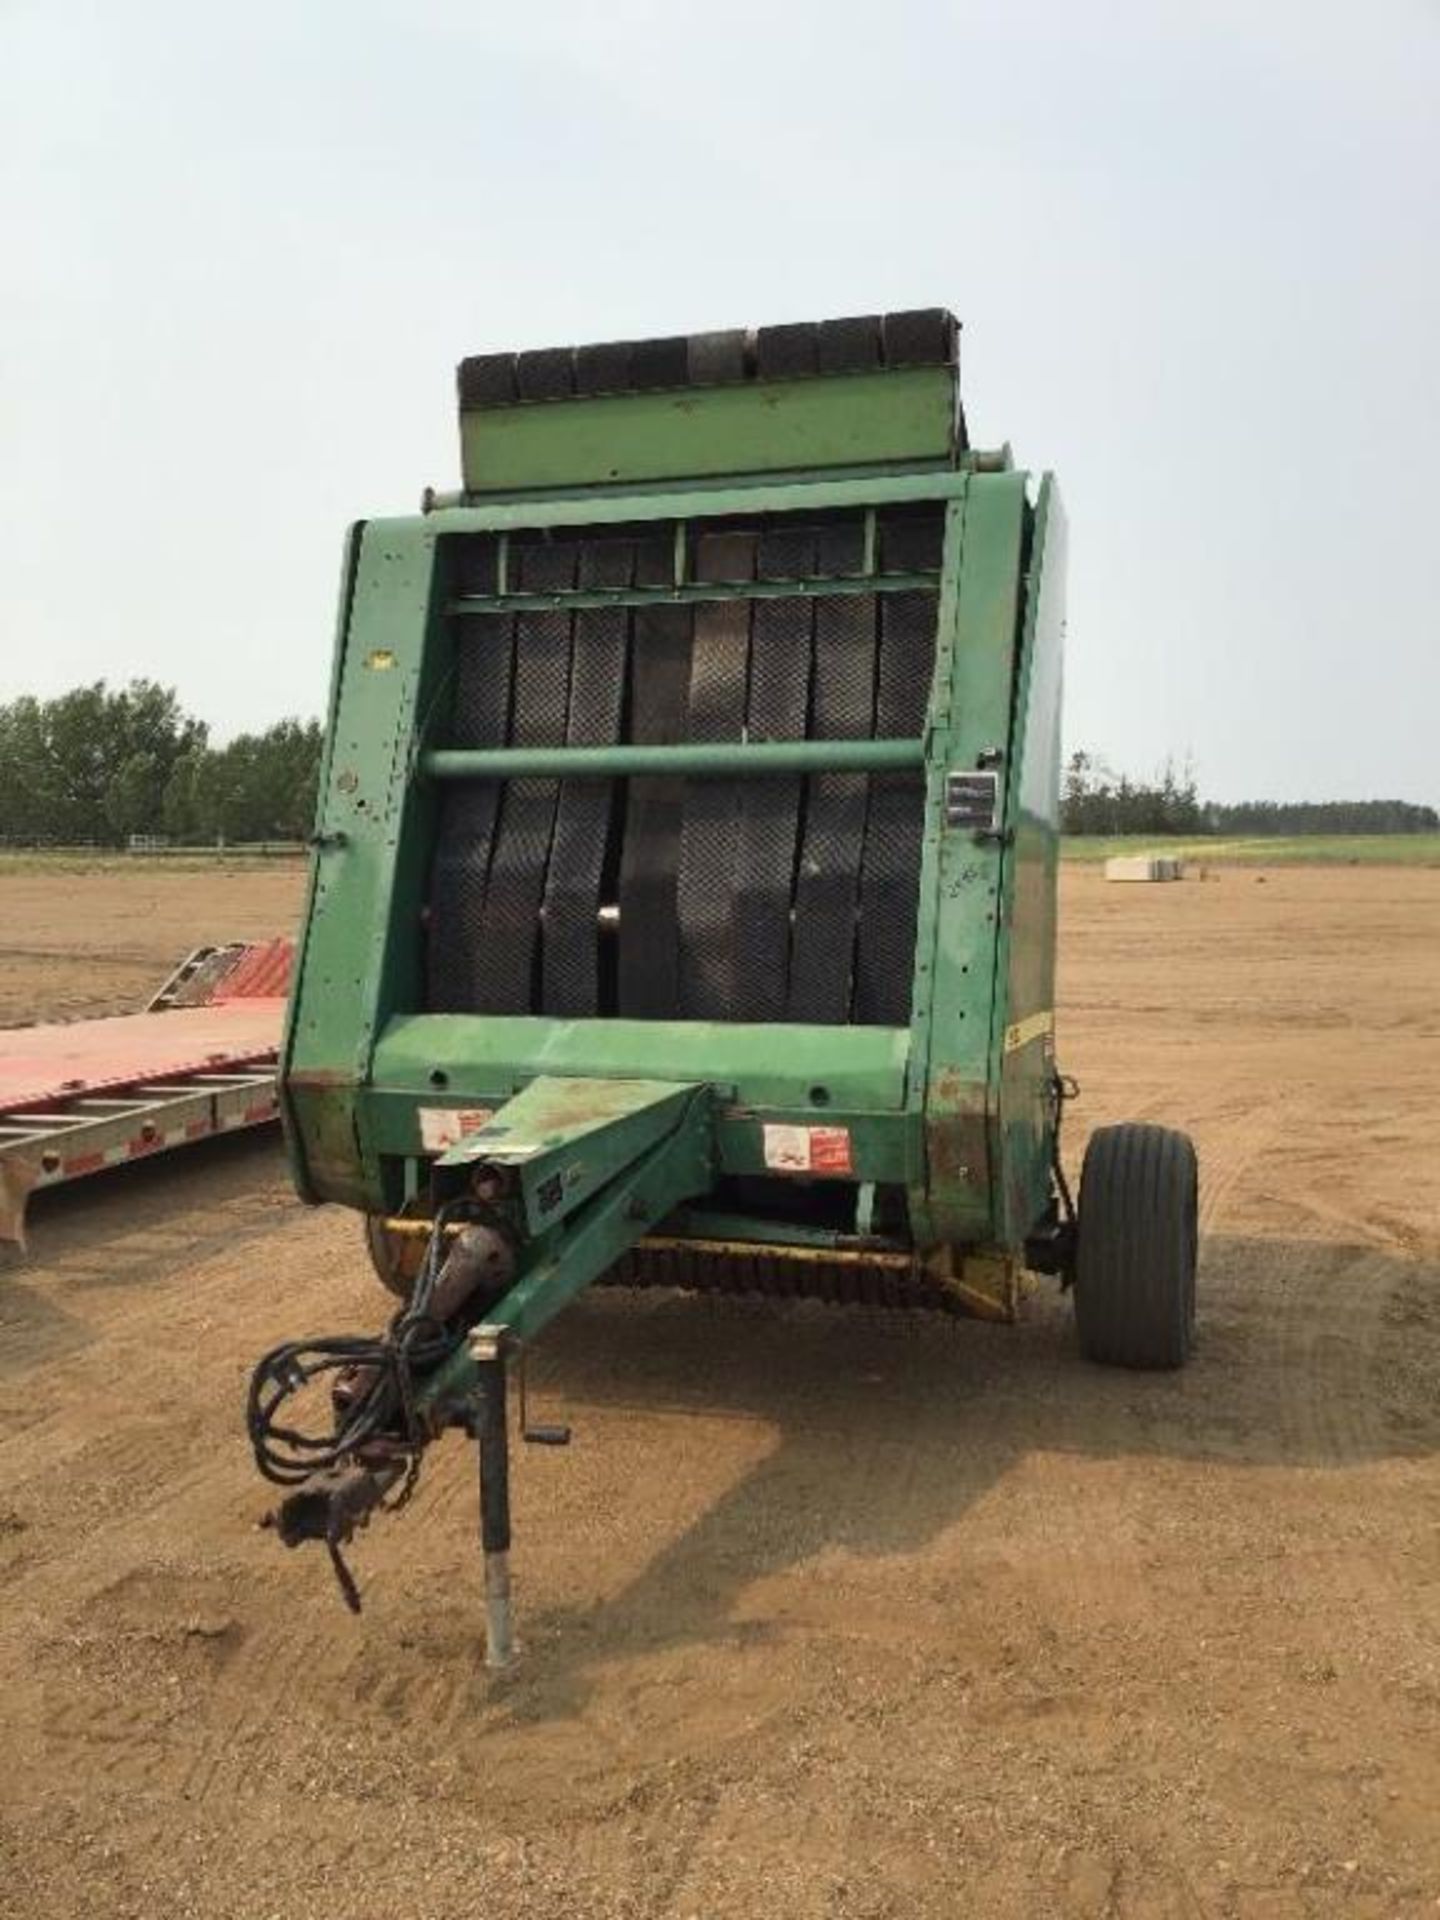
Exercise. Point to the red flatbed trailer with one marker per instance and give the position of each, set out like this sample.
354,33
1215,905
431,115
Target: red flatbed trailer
78,1097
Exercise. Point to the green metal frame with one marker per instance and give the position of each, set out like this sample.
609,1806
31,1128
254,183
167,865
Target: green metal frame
688,593
556,1145
596,1164
683,762
952,1107
855,420
1022,1049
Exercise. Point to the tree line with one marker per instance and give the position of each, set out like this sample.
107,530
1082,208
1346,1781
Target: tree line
99,764
1095,800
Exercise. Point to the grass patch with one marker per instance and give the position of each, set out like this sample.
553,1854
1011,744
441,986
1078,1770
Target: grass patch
172,859
1281,850
1287,850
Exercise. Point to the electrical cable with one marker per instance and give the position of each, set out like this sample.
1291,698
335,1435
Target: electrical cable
412,1346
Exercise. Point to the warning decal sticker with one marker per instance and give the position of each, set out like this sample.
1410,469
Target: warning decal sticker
808,1149
441,1127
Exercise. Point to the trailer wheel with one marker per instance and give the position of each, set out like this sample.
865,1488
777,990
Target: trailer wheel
396,1259
1135,1260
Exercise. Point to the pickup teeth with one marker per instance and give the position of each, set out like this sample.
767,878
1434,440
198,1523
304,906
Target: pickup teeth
775,1274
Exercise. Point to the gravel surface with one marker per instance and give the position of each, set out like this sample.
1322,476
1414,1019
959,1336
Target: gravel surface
825,1613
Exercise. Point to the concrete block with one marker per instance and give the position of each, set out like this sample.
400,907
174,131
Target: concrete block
1142,866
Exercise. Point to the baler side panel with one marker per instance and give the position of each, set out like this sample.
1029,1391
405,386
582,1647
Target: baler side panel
363,922
293,1133
1025,1042
956,958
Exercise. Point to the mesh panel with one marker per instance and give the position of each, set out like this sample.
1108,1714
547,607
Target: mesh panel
786,897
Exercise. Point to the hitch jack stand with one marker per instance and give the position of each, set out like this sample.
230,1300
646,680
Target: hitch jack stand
589,1166
490,1428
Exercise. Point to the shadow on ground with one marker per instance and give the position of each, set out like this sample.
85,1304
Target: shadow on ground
132,1225
881,1430
889,1428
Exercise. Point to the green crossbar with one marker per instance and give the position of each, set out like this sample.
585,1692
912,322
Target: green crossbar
690,594
738,759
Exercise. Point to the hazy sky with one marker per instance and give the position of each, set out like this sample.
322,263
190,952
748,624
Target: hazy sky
1195,249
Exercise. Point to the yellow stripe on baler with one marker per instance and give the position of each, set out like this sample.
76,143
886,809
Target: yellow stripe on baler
1034,1027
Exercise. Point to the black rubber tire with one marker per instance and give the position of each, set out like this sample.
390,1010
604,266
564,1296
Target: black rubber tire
1135,1262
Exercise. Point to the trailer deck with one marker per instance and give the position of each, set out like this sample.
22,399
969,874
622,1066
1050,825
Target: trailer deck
78,1097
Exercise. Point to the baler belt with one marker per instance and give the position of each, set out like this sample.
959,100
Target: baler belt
890,869
570,947
705,883
769,809
827,880
484,654
509,934
740,899
648,984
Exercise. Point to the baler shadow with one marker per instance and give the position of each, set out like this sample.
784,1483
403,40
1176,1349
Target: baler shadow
889,1428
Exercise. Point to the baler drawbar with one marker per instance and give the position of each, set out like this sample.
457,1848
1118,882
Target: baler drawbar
683,902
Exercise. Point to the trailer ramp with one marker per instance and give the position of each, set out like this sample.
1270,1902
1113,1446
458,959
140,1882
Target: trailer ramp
82,1096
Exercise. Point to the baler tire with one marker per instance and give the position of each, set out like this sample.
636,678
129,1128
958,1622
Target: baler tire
1136,1254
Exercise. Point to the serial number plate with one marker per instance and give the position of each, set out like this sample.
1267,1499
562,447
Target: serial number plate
972,800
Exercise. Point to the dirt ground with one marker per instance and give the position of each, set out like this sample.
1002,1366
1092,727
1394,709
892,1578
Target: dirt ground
825,1613
78,942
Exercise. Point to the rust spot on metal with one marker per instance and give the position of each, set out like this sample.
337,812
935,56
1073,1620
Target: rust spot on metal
322,1080
958,1147
984,1285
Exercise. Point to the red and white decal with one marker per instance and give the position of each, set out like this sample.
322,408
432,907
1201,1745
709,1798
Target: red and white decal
808,1149
442,1127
